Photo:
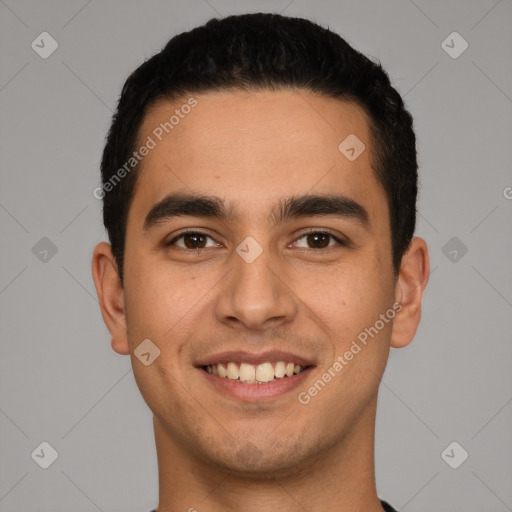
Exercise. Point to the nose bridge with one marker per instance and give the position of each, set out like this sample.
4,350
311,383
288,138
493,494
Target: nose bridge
255,294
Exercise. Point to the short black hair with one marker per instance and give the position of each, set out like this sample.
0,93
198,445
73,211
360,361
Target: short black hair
264,51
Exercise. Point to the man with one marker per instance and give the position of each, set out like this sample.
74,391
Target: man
260,183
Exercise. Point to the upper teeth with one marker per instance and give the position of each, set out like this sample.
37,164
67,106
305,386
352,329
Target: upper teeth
244,372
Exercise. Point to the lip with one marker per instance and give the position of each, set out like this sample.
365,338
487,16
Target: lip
255,392
241,356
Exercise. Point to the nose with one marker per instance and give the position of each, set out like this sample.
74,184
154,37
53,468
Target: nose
255,294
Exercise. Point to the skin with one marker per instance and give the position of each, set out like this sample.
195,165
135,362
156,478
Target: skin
217,453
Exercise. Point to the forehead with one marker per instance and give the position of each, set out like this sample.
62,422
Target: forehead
264,120
254,148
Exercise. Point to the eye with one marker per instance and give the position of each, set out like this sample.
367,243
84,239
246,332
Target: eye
191,240
194,240
319,240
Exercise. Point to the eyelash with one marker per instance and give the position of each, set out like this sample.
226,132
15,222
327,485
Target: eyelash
339,241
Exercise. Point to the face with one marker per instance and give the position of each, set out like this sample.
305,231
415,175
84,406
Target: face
257,276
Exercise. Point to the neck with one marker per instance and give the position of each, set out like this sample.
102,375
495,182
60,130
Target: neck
340,479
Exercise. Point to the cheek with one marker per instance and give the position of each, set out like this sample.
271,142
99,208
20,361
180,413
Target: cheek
350,298
163,300
155,303
159,307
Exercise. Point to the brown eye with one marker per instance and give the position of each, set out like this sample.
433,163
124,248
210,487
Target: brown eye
190,240
194,241
319,240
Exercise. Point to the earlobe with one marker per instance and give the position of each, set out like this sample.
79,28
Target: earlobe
110,296
411,282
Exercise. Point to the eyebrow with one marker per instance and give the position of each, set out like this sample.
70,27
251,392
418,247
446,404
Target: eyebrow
308,205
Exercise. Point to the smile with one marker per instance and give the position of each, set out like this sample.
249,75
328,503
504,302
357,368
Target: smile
254,373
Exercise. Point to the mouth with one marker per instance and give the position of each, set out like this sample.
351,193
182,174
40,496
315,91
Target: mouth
254,374
255,377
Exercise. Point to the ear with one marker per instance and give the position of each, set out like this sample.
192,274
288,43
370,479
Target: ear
110,295
412,280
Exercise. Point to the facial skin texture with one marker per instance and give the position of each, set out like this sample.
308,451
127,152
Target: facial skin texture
251,150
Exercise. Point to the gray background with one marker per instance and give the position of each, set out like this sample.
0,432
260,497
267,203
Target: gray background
60,381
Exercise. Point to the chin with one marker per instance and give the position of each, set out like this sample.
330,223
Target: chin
263,463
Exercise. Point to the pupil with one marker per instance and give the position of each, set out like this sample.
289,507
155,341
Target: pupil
196,239
314,238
